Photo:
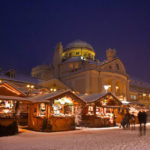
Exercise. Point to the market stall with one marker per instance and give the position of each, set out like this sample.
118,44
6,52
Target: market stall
56,111
102,110
12,103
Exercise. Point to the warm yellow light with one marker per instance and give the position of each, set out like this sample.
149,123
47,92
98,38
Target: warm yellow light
144,94
106,87
51,89
6,110
117,87
0,81
28,85
54,90
14,91
64,100
7,105
32,86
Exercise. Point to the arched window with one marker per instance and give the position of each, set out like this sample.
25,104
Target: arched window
89,55
77,53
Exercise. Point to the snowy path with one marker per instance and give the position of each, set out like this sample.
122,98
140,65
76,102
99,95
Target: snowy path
85,139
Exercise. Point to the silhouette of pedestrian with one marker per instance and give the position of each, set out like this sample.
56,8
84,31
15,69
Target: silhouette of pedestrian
142,117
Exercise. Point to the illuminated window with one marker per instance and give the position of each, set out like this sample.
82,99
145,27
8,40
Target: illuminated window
133,96
77,53
42,109
89,55
63,106
90,110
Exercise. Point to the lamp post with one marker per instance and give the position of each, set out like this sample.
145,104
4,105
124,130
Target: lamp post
30,88
106,87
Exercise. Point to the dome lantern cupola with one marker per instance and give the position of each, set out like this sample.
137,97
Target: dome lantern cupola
79,48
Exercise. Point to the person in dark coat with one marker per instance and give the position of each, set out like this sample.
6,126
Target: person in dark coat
142,117
133,121
125,123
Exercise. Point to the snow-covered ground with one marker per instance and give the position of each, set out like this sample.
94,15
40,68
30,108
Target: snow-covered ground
83,139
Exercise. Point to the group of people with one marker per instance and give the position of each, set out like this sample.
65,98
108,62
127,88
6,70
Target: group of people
130,119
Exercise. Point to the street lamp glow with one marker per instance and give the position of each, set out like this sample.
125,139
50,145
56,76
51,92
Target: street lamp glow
28,85
32,86
106,87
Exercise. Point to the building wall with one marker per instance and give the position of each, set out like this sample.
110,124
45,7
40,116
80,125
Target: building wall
78,81
114,80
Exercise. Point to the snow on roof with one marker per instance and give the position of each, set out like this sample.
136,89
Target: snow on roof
73,59
134,82
92,97
46,96
95,97
79,44
20,78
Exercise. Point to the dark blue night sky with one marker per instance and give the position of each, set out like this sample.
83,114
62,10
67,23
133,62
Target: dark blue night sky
30,29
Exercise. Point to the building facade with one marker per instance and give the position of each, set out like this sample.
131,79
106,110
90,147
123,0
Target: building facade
77,68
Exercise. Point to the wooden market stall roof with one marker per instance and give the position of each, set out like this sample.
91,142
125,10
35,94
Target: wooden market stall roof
93,98
7,89
46,97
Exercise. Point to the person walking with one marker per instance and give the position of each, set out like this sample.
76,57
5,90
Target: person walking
125,123
133,121
142,117
144,121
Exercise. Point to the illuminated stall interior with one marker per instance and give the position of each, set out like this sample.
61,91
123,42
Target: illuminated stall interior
9,99
59,108
104,106
63,106
7,107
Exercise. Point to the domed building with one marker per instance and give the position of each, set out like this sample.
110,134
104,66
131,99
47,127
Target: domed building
76,67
